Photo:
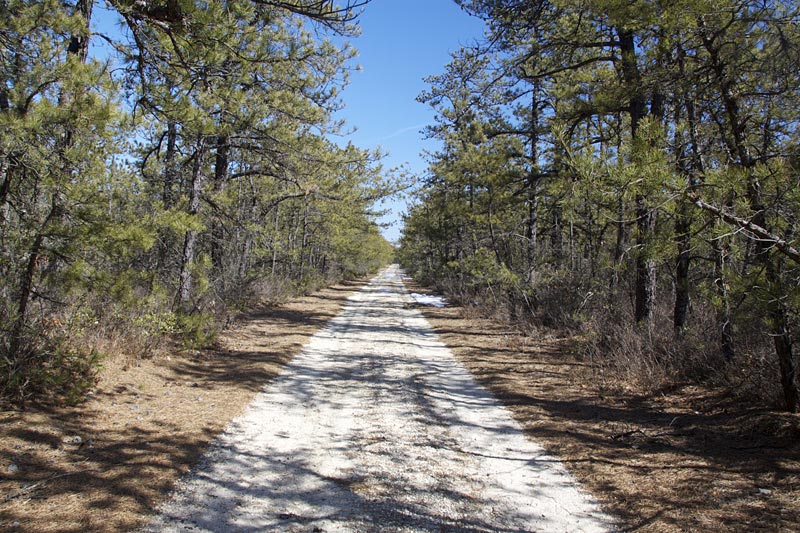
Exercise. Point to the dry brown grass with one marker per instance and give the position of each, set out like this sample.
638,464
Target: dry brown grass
685,459
103,465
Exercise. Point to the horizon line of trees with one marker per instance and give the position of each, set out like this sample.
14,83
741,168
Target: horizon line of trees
630,170
170,177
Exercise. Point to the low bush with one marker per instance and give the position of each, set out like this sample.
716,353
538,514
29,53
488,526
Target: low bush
51,363
644,360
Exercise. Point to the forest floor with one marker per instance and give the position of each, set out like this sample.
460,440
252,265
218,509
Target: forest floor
687,459
684,459
102,466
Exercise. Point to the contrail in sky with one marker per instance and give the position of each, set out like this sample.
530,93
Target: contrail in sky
403,130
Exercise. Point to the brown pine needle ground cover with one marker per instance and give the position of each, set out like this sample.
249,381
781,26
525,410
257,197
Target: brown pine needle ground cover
103,465
685,460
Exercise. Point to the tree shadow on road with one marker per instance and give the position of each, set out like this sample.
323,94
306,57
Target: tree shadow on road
684,459
103,465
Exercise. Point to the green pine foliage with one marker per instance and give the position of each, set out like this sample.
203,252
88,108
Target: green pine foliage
153,192
627,170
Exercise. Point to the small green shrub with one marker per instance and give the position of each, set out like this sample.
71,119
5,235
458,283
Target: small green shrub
49,367
197,330
157,323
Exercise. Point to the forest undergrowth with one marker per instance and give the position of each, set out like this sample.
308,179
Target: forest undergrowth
627,174
660,456
163,167
623,357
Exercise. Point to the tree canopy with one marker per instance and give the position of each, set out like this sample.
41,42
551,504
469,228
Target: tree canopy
171,178
629,168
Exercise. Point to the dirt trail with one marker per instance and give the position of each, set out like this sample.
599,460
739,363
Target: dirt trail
376,427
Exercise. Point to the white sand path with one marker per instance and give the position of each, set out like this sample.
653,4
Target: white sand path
376,427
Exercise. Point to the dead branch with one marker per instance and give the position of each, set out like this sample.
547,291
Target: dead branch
760,233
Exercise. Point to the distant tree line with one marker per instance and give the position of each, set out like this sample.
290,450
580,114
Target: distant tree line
629,170
156,177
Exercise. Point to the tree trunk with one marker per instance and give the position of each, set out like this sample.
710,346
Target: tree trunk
779,321
79,44
724,319
164,251
556,234
619,244
682,263
532,225
782,339
686,167
170,166
779,324
247,246
645,267
5,187
26,286
304,238
187,258
532,183
79,47
217,229
275,240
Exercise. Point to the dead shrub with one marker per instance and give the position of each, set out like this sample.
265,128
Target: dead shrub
636,358
625,357
559,298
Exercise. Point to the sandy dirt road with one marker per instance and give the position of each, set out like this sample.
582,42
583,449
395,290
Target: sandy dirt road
376,427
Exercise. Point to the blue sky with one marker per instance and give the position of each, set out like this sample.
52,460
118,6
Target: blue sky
401,42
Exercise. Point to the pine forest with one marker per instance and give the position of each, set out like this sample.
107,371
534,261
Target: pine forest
400,265
155,188
627,171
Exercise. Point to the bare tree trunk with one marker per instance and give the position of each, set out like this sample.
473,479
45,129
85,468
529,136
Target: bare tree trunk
170,166
247,246
187,258
782,339
571,246
644,267
304,238
683,221
532,224
779,320
5,178
217,230
275,240
26,286
619,244
556,234
164,255
682,263
532,183
725,319
5,188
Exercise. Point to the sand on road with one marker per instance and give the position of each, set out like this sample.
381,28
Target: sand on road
376,427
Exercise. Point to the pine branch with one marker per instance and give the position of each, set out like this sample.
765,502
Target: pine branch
760,233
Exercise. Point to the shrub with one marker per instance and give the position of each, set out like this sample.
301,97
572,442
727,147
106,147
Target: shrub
50,365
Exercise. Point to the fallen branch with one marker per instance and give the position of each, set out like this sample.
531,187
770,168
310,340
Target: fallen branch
30,488
627,434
